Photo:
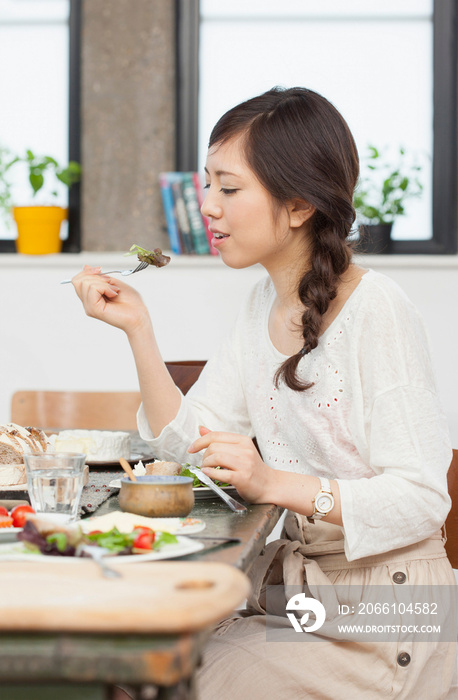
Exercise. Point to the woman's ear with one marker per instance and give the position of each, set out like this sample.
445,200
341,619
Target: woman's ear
300,212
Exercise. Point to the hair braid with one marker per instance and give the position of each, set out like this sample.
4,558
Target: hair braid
331,256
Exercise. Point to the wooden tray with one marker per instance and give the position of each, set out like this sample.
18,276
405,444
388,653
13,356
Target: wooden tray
160,597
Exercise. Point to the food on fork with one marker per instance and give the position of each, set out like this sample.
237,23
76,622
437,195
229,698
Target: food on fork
97,445
152,257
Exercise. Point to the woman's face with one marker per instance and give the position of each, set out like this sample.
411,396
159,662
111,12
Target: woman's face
241,212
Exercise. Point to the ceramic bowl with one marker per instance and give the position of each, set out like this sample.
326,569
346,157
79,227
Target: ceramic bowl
157,496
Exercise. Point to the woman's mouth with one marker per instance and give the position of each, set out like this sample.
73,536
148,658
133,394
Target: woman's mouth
218,238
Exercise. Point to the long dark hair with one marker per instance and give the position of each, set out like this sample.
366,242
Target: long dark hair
300,147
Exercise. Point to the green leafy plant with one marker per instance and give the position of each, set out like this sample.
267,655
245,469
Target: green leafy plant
380,197
6,162
39,169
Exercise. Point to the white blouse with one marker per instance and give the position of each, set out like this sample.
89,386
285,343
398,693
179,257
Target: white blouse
372,419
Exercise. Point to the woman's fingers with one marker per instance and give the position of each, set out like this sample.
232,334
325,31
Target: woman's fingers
109,299
215,436
226,476
99,294
238,460
224,455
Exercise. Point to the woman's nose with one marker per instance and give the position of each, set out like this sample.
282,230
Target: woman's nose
209,207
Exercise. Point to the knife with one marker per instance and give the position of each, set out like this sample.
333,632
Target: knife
231,502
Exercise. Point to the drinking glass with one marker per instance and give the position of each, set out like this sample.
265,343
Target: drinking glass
55,483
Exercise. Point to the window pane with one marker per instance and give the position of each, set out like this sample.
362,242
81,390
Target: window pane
378,74
34,10
312,8
35,115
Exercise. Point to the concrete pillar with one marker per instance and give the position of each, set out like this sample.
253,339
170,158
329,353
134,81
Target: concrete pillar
128,120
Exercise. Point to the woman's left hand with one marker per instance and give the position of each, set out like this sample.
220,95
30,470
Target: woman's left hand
240,462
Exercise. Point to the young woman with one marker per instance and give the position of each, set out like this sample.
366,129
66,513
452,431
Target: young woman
328,366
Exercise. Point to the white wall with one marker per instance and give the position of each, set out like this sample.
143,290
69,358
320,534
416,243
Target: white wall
47,342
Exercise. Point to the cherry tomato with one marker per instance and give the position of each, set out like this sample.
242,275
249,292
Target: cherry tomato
5,521
95,532
3,511
18,515
143,541
143,529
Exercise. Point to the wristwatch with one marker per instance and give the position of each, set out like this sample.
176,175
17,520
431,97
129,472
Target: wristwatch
323,502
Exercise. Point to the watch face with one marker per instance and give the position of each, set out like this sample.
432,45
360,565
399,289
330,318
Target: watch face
324,503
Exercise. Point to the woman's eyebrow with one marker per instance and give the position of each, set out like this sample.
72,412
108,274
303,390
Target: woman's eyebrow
222,172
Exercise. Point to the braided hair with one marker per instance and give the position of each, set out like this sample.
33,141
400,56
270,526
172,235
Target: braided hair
300,148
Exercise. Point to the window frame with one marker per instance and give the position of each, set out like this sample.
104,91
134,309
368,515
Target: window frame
445,127
72,244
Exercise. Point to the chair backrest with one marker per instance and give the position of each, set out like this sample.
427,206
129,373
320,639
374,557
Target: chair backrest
451,524
92,410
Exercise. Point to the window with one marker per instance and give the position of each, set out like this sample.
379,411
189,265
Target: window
40,109
389,67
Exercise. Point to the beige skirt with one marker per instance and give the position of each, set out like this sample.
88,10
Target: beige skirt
242,662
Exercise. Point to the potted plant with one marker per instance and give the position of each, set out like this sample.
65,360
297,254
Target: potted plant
380,198
38,226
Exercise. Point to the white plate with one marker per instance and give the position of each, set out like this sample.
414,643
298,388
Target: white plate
184,546
125,522
8,534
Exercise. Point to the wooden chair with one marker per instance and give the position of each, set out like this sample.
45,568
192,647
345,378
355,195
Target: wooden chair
451,524
92,410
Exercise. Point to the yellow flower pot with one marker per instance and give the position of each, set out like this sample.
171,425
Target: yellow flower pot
39,229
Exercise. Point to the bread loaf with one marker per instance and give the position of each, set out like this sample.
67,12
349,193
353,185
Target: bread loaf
15,440
12,475
163,469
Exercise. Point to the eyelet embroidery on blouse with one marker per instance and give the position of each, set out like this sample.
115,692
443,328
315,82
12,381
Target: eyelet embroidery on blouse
329,386
329,391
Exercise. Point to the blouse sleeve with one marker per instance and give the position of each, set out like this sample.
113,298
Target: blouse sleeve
216,401
401,433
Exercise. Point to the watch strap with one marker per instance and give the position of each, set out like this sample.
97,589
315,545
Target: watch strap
325,484
325,487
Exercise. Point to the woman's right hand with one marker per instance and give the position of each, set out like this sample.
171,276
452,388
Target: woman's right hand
110,300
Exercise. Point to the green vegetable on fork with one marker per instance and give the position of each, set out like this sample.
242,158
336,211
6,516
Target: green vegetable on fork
152,257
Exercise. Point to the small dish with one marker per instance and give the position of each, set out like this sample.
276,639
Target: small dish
201,493
157,496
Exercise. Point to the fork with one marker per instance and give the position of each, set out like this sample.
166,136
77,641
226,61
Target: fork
97,554
124,273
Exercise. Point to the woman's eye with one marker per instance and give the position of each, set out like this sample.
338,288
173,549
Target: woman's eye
226,190
207,186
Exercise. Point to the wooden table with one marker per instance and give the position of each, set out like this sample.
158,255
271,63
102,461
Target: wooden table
252,528
57,664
